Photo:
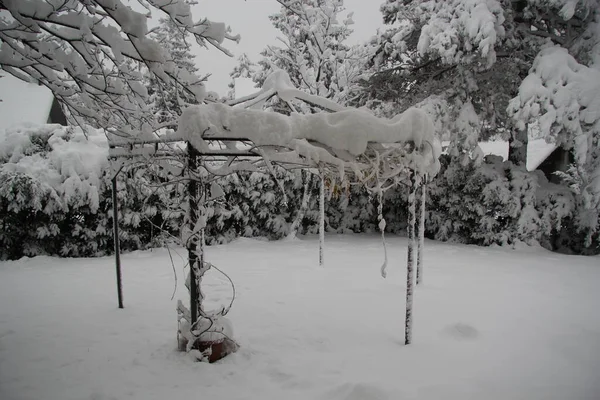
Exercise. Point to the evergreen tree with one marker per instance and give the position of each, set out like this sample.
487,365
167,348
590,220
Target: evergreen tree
496,67
315,57
168,102
314,53
462,77
244,69
452,55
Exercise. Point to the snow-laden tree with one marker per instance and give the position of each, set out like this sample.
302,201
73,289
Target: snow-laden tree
448,57
562,93
314,54
478,52
313,50
168,99
501,65
244,69
88,53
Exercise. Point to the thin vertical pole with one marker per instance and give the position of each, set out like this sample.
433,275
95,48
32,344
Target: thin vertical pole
202,266
193,240
116,240
410,260
421,242
322,219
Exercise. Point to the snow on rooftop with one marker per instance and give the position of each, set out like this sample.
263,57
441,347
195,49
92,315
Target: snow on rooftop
537,150
22,102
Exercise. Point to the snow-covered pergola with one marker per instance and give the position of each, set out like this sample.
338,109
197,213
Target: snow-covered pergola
345,142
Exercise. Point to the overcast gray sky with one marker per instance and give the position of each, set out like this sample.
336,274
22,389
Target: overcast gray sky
250,18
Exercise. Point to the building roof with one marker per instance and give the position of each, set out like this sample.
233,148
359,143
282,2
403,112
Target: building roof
537,151
22,102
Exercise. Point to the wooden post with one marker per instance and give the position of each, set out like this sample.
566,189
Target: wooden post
410,260
421,236
322,218
193,240
116,240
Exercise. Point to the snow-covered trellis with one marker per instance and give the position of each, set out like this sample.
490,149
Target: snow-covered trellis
351,143
205,333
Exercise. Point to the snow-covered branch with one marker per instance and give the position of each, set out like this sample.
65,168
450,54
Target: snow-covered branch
88,53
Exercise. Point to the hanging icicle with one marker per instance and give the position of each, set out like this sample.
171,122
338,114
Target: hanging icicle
306,194
410,260
421,242
382,225
322,218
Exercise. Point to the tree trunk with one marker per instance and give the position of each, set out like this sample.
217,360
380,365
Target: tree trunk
421,242
517,147
410,261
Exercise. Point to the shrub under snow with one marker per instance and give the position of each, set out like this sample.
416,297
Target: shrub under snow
50,181
55,195
55,199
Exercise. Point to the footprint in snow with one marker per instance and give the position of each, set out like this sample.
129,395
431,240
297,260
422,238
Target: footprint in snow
462,331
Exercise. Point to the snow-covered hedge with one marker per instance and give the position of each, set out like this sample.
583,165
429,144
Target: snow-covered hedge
254,206
491,203
55,199
55,196
568,224
499,203
50,182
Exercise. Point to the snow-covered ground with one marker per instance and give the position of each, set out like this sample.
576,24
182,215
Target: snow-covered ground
490,323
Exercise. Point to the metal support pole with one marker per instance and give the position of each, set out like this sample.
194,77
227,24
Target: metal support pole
193,240
116,240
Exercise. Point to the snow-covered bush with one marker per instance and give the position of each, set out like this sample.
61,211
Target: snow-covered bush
253,206
150,211
55,199
50,192
568,225
55,196
499,203
493,203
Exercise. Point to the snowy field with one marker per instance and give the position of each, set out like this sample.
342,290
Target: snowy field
490,323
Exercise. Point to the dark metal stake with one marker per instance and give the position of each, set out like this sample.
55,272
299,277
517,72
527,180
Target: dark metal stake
192,242
116,240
